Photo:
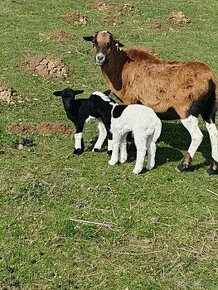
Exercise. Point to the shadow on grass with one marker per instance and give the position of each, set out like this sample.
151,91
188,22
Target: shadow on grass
177,139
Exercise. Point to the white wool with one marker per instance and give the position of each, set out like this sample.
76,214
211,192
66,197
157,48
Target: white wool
103,96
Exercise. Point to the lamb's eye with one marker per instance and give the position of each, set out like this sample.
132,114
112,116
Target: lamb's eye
109,44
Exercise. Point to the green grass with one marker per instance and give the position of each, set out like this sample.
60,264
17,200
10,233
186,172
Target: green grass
162,231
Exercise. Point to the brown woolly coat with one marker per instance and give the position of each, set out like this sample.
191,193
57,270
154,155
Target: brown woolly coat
137,76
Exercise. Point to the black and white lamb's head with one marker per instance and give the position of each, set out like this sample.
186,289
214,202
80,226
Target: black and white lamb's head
68,93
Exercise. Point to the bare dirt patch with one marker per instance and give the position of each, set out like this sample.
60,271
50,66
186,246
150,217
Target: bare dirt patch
178,18
45,66
112,20
76,18
108,6
156,26
9,95
43,128
59,35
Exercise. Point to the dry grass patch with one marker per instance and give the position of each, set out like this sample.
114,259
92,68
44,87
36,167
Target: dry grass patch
9,95
59,35
76,18
43,128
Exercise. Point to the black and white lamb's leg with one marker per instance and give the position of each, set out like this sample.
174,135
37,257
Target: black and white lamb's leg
110,143
191,124
116,147
213,133
123,148
78,136
102,134
140,143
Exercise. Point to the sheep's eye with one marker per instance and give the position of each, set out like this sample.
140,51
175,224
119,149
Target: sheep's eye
109,44
94,42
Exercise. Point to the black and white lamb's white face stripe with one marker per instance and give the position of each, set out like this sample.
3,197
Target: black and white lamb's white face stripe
104,97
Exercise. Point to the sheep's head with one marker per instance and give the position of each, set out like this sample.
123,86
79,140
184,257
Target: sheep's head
103,44
68,93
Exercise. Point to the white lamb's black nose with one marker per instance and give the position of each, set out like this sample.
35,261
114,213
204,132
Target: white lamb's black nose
100,57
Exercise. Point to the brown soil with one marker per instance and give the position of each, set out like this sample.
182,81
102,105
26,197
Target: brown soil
106,5
60,35
76,18
8,95
43,128
155,26
45,66
112,20
178,18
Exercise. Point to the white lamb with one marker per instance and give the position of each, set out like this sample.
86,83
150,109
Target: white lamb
138,119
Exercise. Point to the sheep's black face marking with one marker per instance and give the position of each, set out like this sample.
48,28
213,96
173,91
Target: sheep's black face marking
118,110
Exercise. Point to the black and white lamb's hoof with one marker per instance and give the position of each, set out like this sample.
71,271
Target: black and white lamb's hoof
96,150
78,151
213,169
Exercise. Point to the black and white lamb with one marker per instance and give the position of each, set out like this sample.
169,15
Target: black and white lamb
78,111
122,119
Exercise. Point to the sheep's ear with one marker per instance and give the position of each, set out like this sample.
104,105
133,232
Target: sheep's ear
107,92
57,93
77,92
88,38
119,44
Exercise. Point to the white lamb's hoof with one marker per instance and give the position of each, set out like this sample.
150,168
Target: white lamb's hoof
123,160
112,162
148,167
136,171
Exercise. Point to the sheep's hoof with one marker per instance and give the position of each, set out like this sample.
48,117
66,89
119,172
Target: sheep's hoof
182,167
96,150
109,152
78,151
213,169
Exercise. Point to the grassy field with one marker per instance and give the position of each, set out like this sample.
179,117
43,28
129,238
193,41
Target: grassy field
157,230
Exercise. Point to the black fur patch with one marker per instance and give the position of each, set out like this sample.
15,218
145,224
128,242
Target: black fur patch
170,114
118,110
206,105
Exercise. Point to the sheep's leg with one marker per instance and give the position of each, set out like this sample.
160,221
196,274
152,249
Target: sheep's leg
102,134
213,133
140,143
123,149
151,145
191,124
78,136
116,146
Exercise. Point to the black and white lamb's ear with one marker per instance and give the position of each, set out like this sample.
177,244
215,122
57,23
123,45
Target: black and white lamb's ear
77,92
107,92
58,93
88,38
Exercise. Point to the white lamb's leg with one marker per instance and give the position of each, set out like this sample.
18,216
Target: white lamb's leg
102,134
151,145
116,146
123,149
140,143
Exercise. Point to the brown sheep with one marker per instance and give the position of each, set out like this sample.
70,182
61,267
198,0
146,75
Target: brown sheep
174,90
